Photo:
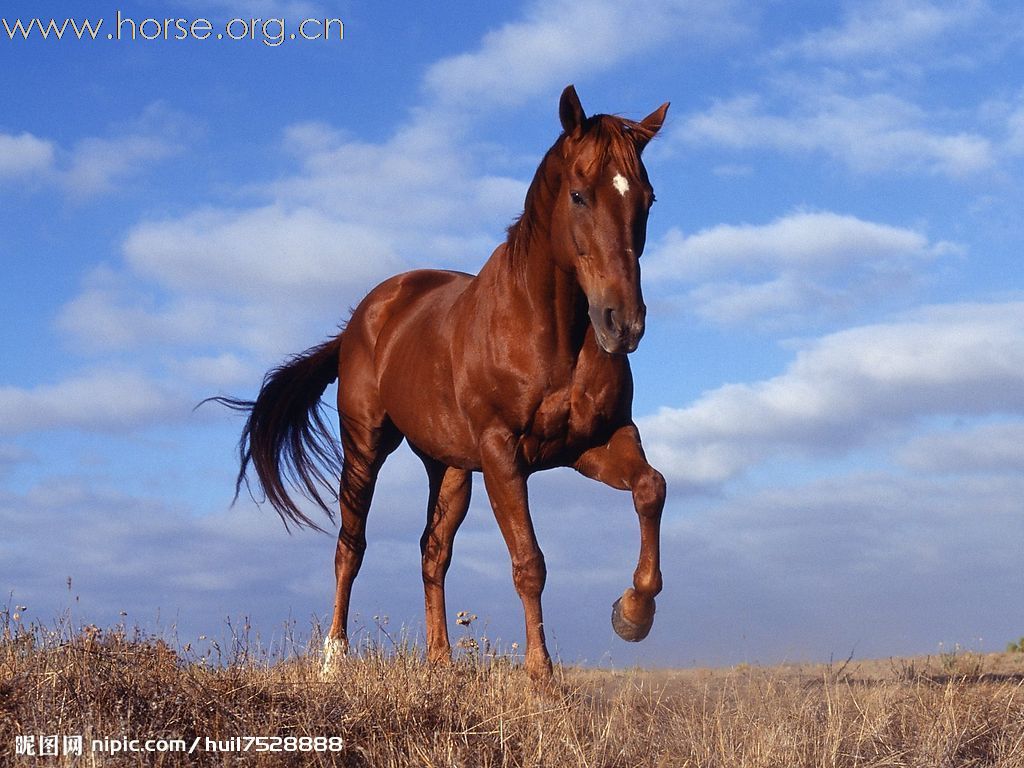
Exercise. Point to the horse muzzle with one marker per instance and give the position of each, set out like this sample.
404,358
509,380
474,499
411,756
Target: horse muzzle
618,332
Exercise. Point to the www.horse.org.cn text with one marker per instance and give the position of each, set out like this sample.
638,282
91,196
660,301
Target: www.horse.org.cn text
270,32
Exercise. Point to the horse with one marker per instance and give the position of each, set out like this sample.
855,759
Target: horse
518,369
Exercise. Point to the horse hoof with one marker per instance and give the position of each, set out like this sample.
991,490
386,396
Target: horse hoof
626,629
540,671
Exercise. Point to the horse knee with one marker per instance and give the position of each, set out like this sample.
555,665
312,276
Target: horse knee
529,575
649,493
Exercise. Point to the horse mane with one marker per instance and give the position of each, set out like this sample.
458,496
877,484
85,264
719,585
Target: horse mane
619,140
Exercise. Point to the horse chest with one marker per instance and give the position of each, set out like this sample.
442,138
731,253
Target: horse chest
573,417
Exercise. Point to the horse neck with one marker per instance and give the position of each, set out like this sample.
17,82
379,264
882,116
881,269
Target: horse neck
555,305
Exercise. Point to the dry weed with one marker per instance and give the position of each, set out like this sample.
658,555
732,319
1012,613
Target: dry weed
387,707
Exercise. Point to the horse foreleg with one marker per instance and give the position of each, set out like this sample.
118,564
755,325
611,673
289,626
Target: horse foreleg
506,487
449,501
621,464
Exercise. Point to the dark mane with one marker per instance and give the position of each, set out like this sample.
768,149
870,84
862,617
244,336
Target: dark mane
618,140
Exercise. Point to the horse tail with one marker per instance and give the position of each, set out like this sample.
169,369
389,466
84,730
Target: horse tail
286,438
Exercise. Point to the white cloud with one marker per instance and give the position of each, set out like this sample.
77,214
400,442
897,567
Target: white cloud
846,388
105,318
1015,132
989,448
805,264
261,276
561,40
804,240
355,211
733,170
858,92
886,28
96,165
873,563
872,134
801,566
420,188
262,253
140,555
104,400
221,371
25,155
261,279
770,305
311,137
864,525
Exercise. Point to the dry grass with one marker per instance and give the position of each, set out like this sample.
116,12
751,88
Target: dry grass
392,709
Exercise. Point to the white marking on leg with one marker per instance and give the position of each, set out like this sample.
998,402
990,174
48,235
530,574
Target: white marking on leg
334,651
621,184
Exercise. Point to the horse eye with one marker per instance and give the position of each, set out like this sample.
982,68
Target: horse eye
577,198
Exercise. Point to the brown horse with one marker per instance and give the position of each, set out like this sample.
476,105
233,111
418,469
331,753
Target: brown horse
518,369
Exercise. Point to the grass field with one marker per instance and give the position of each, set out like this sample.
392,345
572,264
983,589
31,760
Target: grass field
386,707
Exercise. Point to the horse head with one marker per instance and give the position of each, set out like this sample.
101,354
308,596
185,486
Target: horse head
599,218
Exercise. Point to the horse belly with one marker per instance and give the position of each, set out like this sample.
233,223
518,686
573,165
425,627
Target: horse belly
422,407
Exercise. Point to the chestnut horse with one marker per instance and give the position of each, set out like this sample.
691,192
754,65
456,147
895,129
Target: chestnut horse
519,369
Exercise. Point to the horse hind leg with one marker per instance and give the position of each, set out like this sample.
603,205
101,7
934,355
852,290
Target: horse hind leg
365,450
450,490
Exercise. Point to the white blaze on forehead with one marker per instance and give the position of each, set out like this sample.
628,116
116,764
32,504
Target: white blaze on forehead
621,184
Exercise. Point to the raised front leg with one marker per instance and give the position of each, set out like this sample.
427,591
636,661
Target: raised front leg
449,501
505,481
621,464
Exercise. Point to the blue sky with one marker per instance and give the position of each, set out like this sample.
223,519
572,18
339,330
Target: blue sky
832,378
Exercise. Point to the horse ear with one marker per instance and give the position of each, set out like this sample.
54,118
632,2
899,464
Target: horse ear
570,111
653,122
